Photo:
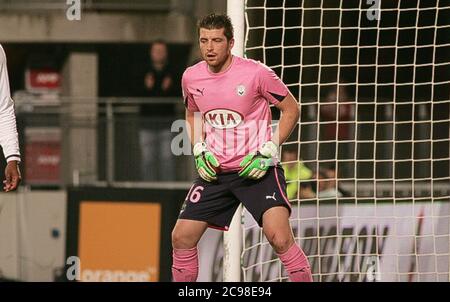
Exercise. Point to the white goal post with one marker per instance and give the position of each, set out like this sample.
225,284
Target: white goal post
232,239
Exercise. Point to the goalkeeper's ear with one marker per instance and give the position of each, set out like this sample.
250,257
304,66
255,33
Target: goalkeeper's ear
231,43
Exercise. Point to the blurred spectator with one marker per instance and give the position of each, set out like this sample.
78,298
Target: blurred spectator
336,114
327,184
336,111
295,171
160,80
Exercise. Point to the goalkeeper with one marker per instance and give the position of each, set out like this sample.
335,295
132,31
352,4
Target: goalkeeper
235,153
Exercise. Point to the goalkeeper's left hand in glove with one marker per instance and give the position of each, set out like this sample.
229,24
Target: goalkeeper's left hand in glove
255,165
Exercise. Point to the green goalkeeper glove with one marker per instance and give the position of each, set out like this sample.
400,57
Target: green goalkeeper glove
206,163
255,165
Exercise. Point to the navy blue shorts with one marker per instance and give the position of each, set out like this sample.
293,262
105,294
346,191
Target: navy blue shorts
216,202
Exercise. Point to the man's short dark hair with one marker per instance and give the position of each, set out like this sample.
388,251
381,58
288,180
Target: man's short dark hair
214,21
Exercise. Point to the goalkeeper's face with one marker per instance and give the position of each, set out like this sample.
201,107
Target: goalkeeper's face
215,47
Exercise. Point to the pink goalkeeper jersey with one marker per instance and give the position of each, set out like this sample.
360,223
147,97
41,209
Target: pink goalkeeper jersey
234,105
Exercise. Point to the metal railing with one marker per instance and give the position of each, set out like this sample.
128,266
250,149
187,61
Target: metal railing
101,140
120,144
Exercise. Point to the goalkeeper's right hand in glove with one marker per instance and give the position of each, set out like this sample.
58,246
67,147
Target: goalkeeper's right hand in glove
255,165
206,163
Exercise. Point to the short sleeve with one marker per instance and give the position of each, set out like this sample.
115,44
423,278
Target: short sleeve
188,99
270,85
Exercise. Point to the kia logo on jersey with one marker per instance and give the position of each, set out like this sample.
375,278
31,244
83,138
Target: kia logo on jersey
223,118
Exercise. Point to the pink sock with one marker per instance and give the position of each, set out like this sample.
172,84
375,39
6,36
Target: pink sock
185,265
296,264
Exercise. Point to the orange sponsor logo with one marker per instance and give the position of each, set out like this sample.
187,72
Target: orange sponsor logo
119,241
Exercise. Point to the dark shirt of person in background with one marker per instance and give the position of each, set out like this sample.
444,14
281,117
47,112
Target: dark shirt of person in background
160,80
157,162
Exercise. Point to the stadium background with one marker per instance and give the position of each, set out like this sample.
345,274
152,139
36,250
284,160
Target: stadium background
84,193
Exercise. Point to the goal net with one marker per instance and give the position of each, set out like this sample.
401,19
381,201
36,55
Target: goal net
368,166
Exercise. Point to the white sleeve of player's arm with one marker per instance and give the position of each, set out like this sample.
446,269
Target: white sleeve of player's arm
8,130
